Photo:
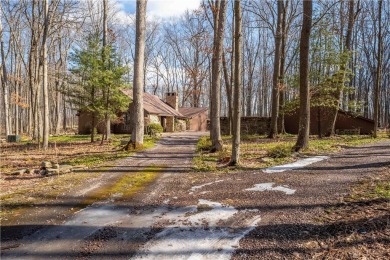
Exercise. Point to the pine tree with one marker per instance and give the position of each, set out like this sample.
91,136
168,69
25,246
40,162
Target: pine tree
93,75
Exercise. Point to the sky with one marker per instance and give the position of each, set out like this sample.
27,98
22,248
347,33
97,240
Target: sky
161,8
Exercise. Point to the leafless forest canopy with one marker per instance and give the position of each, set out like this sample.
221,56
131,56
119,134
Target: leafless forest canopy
347,37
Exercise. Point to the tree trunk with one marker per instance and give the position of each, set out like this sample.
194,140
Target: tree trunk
282,89
219,30
45,83
107,115
378,79
276,74
235,159
228,92
304,97
58,104
4,83
137,137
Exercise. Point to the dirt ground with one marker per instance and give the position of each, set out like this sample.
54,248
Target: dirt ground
306,213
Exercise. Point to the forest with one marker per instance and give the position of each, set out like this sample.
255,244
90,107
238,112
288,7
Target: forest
43,43
194,129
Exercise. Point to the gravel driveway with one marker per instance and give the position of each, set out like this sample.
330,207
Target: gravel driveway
222,215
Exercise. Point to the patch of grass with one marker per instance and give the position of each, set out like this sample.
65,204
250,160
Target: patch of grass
48,189
96,159
382,189
280,151
204,144
257,151
204,163
336,143
77,138
69,138
150,141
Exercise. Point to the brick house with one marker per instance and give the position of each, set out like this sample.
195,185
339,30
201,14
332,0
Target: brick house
167,113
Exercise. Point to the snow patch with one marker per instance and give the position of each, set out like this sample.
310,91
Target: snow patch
269,186
196,233
194,188
295,165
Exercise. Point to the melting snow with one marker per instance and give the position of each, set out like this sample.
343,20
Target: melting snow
269,186
295,165
197,234
203,185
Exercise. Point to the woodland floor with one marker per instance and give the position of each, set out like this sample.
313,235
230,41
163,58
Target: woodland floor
152,205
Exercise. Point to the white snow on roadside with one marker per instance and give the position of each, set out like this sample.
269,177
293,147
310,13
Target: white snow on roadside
198,234
295,165
270,186
194,188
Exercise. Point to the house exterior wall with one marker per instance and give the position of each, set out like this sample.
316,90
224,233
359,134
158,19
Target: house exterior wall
85,123
345,121
180,125
249,125
170,124
198,122
123,125
154,119
321,120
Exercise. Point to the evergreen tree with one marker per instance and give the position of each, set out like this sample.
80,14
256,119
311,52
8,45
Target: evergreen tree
97,81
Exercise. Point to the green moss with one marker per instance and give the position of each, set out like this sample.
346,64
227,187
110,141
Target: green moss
126,186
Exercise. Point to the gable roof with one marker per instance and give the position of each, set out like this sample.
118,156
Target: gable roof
191,111
154,105
350,114
128,92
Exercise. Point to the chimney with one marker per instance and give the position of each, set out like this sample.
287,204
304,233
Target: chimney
172,99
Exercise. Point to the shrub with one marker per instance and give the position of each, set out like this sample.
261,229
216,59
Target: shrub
280,151
154,128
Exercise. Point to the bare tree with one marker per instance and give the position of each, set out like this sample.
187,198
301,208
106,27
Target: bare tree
219,29
137,137
45,83
276,75
282,85
107,90
235,159
4,82
304,88
378,78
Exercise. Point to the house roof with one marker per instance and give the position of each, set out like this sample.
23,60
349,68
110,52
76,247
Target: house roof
154,105
355,116
128,92
191,111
